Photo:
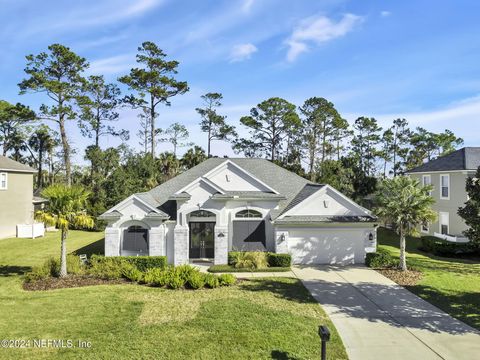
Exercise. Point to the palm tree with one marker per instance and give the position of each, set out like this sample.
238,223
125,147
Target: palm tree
65,208
406,204
193,157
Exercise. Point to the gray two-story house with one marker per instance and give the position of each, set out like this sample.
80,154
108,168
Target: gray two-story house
16,198
448,176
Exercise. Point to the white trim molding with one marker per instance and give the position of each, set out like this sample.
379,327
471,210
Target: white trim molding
443,219
3,175
426,183
447,176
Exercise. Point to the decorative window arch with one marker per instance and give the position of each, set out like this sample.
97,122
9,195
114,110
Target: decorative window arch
248,213
135,240
202,214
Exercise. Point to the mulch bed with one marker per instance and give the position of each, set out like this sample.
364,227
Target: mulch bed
71,281
403,278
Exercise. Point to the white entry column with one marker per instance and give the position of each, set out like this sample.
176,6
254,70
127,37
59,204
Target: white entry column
180,245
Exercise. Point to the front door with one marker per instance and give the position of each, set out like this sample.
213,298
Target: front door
202,240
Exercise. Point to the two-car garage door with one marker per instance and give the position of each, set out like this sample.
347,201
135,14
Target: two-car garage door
327,246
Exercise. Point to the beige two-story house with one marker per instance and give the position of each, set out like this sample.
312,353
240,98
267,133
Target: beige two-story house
448,176
16,196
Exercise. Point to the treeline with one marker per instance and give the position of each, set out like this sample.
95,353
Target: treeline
313,140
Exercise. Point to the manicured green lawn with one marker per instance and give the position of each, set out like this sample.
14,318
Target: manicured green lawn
452,284
259,319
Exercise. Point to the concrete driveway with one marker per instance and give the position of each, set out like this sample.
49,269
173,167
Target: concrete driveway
378,319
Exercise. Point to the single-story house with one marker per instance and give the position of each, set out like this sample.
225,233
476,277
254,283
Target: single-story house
240,204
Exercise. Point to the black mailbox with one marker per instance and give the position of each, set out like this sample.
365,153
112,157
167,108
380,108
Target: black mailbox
324,333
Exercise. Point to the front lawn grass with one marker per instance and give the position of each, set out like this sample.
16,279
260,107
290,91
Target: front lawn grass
452,284
257,319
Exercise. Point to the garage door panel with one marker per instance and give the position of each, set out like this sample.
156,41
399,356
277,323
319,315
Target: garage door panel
321,246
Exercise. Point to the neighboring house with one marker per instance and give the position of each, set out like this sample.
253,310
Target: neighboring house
240,204
448,176
16,196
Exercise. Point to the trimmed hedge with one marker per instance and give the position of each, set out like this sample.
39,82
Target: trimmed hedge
279,260
274,259
142,263
442,247
380,259
233,269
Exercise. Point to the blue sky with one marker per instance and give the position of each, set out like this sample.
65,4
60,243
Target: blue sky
414,59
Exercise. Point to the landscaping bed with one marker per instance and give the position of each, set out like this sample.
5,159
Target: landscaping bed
403,278
233,269
152,271
71,281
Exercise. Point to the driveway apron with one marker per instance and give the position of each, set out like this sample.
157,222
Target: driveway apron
378,319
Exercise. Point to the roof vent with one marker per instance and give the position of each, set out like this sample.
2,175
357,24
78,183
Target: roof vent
227,178
326,203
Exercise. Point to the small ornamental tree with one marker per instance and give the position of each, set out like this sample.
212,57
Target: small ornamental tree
407,205
471,211
65,208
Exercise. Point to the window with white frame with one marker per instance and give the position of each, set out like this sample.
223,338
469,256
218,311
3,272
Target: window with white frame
444,186
444,220
3,181
427,180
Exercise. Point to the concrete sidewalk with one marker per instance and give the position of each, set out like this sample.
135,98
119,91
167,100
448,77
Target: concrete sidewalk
378,319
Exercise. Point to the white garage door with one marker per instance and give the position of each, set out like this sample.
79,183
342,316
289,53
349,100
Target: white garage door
327,246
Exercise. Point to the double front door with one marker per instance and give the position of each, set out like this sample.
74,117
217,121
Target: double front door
202,240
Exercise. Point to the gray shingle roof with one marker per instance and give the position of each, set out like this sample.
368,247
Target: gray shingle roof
248,195
305,192
467,158
7,164
303,219
148,198
283,181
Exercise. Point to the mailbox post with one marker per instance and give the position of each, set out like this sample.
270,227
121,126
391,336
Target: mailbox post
324,334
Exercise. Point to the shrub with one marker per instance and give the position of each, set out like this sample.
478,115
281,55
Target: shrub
106,267
51,267
380,259
143,263
174,279
231,269
155,277
74,265
131,272
226,279
211,281
279,260
252,260
184,271
233,257
196,280
445,248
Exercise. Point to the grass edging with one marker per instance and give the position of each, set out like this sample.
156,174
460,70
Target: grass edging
230,268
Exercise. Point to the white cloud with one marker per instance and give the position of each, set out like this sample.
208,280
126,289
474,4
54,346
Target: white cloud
112,65
385,13
242,52
318,30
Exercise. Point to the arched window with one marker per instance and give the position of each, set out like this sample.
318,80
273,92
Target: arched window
248,214
135,241
202,214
